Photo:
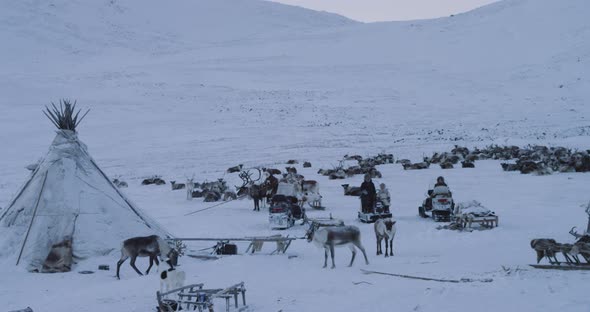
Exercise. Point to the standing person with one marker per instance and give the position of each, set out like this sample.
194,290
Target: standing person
368,194
383,196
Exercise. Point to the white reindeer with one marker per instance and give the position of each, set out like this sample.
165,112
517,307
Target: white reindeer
330,236
385,229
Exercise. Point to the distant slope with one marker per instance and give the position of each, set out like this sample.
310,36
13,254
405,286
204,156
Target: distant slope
151,26
232,81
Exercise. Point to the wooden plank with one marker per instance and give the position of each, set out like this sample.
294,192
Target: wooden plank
200,285
463,280
199,292
244,239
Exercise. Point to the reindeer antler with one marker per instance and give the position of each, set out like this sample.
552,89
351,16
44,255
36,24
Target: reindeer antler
575,234
246,177
180,247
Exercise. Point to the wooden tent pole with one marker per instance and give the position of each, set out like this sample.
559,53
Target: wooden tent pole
32,219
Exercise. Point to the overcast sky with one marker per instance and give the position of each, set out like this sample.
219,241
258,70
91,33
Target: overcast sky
390,10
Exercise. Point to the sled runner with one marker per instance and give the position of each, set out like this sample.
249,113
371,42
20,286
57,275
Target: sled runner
563,266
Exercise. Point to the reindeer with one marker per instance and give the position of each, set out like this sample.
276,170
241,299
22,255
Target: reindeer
545,247
467,164
568,250
229,196
177,186
416,166
403,161
582,245
118,183
328,237
272,171
310,186
581,248
148,246
385,229
258,194
351,191
233,169
446,165
249,187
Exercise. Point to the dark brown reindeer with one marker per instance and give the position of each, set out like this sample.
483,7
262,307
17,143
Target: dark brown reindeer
147,246
258,194
233,169
272,171
385,229
249,187
330,236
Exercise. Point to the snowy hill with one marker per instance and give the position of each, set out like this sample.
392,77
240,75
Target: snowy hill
193,87
153,27
498,73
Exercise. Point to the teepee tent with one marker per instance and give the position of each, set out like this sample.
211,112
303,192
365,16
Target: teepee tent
68,208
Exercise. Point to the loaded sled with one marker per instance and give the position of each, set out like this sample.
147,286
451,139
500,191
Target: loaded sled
371,215
284,211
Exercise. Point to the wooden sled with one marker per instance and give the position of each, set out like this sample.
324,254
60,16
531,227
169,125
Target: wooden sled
467,221
282,242
195,297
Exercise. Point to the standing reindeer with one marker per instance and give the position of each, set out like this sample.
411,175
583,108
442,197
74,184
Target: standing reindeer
258,194
330,236
148,246
249,187
385,229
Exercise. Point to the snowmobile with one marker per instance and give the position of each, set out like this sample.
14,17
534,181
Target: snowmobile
439,203
284,211
378,212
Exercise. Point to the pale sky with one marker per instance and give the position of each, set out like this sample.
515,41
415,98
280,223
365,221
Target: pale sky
390,10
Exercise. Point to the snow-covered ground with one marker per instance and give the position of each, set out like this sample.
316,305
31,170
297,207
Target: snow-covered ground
199,86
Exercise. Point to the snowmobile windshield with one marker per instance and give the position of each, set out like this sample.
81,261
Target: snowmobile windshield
441,190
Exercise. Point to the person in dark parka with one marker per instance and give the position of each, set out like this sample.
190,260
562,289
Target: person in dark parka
368,194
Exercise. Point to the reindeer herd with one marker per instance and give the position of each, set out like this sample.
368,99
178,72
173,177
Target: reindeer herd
329,237
531,159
